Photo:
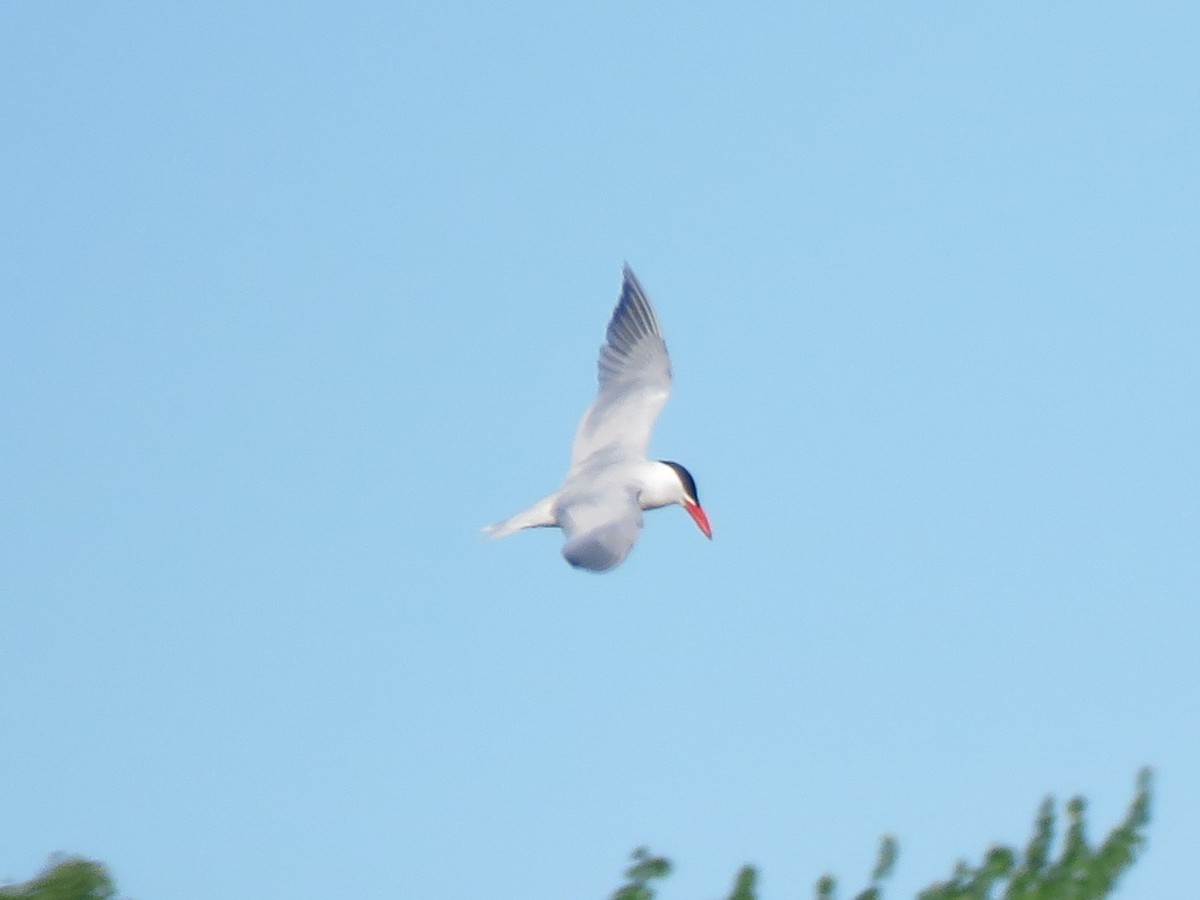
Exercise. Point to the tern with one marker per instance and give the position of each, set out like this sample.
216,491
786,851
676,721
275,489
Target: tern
611,481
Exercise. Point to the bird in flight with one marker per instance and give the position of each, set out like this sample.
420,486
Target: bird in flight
611,480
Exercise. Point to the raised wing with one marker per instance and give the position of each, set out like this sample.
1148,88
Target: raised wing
635,381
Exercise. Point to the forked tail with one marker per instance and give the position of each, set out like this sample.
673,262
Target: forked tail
540,515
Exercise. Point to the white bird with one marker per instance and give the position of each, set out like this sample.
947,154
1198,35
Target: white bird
599,506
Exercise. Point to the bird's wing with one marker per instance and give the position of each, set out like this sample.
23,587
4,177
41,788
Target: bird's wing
601,528
635,381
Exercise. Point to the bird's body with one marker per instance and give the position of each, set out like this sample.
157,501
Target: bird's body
611,481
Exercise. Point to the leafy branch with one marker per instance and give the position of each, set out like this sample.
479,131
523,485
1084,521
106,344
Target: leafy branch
1081,872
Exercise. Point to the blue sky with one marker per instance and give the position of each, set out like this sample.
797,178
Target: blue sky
298,297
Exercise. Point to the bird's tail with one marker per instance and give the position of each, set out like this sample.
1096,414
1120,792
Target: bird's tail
540,515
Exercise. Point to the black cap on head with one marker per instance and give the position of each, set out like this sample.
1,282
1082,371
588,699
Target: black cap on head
686,479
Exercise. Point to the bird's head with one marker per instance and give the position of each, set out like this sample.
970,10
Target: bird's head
688,497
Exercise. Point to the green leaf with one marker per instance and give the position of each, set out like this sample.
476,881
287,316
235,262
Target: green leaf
743,886
826,888
889,850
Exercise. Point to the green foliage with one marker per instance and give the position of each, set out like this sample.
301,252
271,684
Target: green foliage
1082,872
645,868
889,850
64,878
743,885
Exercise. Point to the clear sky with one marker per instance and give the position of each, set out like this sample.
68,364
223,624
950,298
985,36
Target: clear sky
298,297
